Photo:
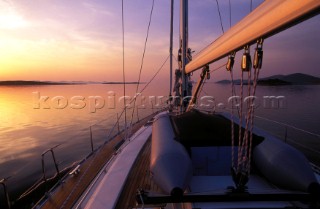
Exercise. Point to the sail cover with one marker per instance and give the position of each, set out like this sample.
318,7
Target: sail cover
271,17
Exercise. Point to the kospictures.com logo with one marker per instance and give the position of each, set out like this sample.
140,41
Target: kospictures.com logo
110,101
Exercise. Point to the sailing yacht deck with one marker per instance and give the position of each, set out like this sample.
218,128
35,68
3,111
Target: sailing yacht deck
118,181
218,185
105,192
71,189
211,184
117,186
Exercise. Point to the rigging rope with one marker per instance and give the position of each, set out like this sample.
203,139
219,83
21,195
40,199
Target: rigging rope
145,87
257,66
255,81
211,71
242,166
220,16
158,71
244,147
206,78
229,67
240,117
229,13
218,68
204,82
142,61
232,123
246,66
118,118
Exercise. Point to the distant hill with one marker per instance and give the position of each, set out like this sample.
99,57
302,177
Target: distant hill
296,79
134,82
276,80
224,82
26,83
273,82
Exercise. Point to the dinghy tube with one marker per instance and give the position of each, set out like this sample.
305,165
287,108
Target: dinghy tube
170,163
284,166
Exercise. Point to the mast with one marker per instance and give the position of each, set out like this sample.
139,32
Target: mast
184,48
171,46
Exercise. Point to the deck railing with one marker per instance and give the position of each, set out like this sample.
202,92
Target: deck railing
51,150
6,194
303,140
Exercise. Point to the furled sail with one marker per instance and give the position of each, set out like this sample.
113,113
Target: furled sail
271,17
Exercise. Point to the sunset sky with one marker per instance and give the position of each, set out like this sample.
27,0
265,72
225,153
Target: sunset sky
81,40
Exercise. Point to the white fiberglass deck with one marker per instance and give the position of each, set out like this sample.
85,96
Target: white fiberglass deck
219,184
108,186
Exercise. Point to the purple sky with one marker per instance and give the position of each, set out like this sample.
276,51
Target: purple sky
81,39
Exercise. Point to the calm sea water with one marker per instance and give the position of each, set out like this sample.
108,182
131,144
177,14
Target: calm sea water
36,118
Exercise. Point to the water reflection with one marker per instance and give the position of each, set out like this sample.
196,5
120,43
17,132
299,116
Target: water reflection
26,131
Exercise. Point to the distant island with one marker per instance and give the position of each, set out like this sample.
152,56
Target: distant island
134,82
39,83
31,83
280,80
